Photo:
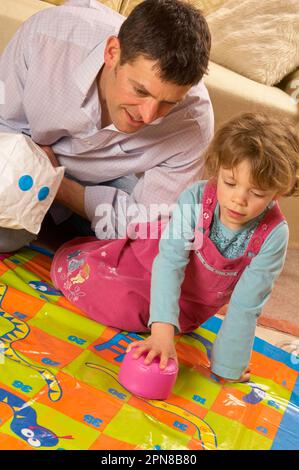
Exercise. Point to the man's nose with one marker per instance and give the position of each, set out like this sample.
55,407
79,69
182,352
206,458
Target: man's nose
149,110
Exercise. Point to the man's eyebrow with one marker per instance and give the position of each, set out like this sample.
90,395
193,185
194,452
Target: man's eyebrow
146,92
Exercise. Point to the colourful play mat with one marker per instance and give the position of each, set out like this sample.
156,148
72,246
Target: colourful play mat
59,384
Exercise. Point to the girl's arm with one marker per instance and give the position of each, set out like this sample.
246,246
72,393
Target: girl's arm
167,277
232,348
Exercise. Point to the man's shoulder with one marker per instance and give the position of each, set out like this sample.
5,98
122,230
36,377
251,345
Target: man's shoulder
96,9
195,113
75,20
199,102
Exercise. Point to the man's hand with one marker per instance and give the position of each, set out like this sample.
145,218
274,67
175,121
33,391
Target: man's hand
160,343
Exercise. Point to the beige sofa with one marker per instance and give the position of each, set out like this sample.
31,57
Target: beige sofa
230,92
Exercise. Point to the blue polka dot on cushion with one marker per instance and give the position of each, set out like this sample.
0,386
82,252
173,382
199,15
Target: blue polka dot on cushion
43,193
25,182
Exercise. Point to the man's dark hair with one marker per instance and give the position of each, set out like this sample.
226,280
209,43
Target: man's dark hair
171,32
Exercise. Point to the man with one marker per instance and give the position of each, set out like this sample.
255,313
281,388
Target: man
107,99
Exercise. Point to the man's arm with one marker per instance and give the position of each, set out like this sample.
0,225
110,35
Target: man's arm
71,194
13,75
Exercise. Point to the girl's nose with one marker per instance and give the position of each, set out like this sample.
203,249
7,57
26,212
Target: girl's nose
240,197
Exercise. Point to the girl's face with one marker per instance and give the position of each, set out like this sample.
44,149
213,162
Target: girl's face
239,199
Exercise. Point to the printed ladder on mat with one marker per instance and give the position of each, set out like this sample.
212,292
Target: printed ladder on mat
59,386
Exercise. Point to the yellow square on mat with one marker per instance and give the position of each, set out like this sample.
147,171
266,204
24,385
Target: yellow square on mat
26,381
147,432
195,387
66,325
233,435
95,371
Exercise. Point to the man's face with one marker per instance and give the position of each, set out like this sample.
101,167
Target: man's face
133,94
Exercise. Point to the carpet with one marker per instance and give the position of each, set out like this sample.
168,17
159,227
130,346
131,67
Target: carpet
281,310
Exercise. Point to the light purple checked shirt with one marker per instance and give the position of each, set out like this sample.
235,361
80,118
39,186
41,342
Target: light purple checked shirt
49,72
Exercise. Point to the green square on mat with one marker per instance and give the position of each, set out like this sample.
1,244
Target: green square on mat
59,424
23,256
12,278
195,343
66,325
96,372
26,381
146,433
227,432
194,339
209,335
195,387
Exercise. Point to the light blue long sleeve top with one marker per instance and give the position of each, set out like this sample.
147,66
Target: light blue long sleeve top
233,345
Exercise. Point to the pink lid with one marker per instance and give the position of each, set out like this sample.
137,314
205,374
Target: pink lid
147,381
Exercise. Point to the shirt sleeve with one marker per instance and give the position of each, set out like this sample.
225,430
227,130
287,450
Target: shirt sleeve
172,160
174,249
232,348
13,72
159,185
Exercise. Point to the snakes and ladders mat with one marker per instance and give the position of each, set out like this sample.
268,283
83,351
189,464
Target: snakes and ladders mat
59,385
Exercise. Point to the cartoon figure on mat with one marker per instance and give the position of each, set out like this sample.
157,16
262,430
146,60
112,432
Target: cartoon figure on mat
20,331
24,423
77,273
256,394
44,287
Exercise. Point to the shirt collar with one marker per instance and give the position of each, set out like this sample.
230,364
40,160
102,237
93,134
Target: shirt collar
86,73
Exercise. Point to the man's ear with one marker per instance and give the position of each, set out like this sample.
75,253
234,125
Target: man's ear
112,52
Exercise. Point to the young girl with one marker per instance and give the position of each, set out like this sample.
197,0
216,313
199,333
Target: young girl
225,244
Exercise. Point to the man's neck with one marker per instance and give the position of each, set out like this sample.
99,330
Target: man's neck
105,118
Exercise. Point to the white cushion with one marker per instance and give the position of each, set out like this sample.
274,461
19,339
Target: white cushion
29,182
257,38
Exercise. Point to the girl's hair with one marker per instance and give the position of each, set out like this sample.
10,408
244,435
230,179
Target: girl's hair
271,146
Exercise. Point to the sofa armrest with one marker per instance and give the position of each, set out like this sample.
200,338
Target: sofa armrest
13,13
232,94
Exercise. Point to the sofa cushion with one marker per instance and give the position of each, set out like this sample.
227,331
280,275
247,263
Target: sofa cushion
257,38
114,4
206,6
290,84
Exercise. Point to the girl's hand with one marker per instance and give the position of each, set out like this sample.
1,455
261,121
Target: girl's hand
160,343
245,377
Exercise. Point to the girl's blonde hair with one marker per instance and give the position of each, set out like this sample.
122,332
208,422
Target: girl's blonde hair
271,146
